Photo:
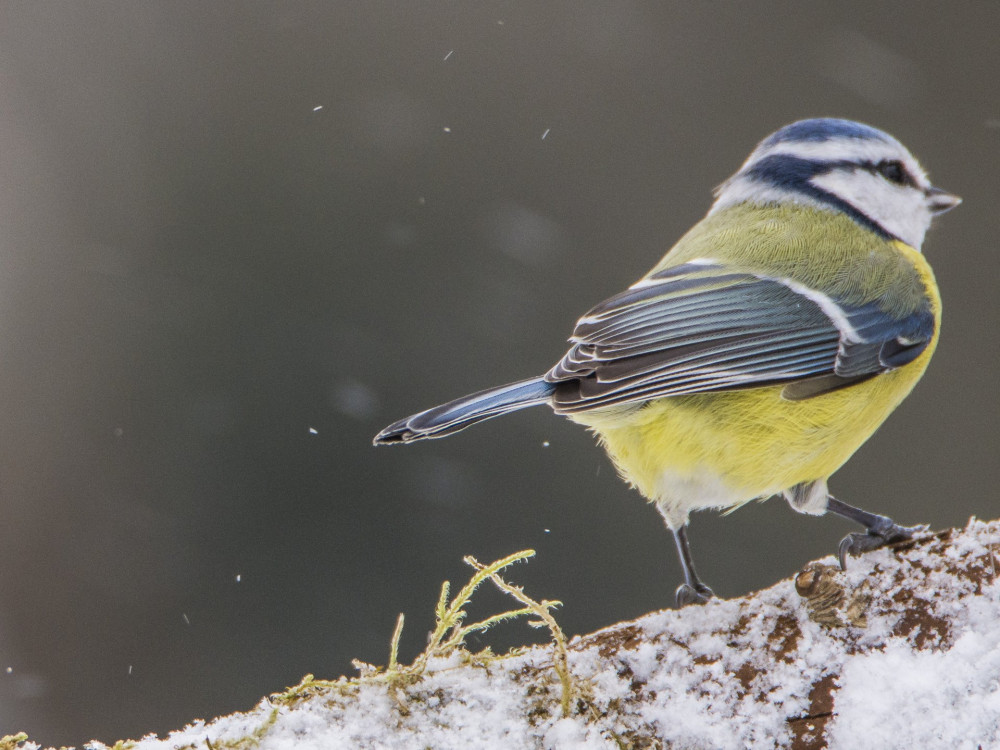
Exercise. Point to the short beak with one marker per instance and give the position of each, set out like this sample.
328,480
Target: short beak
939,201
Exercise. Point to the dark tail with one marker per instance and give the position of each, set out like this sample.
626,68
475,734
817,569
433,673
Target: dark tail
458,414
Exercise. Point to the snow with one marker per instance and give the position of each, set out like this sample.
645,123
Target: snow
910,658
951,697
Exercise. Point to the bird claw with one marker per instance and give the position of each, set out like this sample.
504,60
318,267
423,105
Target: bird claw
857,543
688,594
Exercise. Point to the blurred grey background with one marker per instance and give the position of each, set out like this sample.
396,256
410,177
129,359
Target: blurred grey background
237,239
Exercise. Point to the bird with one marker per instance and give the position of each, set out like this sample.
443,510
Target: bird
764,348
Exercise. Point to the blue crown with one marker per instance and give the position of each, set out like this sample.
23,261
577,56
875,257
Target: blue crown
825,128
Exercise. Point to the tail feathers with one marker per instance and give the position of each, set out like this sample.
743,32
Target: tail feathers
458,414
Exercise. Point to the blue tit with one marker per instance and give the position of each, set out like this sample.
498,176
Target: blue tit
764,348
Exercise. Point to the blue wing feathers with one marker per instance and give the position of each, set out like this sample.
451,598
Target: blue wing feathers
698,328
701,327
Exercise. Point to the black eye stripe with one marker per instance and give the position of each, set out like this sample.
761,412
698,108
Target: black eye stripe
893,171
788,173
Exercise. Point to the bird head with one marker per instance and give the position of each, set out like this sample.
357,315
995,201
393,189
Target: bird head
842,166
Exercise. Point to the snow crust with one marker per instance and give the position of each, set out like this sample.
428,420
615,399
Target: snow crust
912,660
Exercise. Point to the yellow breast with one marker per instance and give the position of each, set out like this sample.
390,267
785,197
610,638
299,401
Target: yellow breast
727,448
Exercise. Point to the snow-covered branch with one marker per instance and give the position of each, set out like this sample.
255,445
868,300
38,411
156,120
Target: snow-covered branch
901,650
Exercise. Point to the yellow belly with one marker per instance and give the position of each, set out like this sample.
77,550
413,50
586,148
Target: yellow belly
725,449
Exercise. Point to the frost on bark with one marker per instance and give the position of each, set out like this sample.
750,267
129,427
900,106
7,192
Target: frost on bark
793,649
901,650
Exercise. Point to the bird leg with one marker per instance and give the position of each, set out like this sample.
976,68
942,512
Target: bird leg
881,530
692,591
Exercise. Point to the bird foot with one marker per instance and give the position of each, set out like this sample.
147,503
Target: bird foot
697,594
857,543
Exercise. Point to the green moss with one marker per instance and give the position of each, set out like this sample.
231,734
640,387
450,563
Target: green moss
11,741
448,638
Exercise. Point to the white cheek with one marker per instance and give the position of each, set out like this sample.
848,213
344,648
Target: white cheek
899,210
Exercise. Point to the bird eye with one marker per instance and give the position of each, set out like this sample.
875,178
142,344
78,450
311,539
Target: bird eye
893,171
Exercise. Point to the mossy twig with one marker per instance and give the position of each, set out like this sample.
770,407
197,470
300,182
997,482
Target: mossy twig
11,741
449,635
543,611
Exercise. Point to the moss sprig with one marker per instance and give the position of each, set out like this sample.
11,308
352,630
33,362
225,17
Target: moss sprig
448,638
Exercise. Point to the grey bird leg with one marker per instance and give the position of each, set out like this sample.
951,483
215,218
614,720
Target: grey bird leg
692,591
881,530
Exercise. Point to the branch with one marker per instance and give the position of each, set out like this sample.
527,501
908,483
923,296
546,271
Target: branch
901,650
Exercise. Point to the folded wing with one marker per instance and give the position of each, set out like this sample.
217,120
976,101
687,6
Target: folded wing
702,327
